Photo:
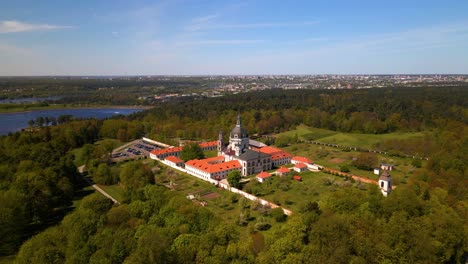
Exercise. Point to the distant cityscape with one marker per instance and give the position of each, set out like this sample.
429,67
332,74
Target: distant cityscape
234,84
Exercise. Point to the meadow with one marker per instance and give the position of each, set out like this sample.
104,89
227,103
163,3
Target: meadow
361,140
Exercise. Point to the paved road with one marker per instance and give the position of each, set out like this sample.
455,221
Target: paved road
96,187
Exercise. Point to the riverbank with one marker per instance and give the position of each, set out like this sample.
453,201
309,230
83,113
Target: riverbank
15,121
23,109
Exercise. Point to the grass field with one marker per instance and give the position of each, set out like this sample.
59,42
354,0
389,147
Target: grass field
115,191
211,153
345,139
292,194
333,158
78,152
228,206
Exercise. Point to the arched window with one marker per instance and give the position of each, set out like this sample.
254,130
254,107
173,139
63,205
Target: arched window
381,184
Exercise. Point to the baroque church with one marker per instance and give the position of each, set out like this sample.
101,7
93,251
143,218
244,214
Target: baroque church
239,148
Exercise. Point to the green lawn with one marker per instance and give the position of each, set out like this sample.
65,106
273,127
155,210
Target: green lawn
292,194
211,153
227,206
333,158
115,191
346,139
78,152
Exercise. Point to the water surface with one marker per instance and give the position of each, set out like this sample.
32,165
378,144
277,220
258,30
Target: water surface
11,122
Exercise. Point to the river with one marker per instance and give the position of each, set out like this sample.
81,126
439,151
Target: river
11,122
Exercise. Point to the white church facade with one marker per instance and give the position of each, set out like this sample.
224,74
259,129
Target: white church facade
252,162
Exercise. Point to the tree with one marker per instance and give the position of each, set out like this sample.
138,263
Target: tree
278,214
31,122
40,121
416,163
366,161
344,168
192,151
135,176
103,175
233,179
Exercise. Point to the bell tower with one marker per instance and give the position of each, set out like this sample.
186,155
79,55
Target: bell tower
385,183
238,139
220,143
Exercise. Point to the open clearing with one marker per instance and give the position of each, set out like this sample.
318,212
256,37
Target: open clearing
210,196
337,160
346,139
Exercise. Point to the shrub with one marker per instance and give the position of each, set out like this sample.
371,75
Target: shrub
278,214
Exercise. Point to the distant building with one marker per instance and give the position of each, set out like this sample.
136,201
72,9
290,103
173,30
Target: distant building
212,168
297,178
299,159
207,146
252,162
279,157
164,153
309,163
255,145
282,171
300,167
174,161
263,176
376,171
385,183
387,167
161,154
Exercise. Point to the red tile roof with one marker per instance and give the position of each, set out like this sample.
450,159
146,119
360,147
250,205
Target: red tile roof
158,152
282,170
275,153
300,165
302,159
213,168
264,175
208,144
270,150
281,155
233,164
216,159
174,159
297,178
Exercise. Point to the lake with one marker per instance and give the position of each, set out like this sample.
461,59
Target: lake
11,122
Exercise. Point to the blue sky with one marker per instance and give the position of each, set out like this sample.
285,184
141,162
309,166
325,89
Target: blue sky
90,37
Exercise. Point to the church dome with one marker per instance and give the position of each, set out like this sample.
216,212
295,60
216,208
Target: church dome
238,131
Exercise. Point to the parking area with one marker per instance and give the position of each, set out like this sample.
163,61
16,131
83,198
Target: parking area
137,149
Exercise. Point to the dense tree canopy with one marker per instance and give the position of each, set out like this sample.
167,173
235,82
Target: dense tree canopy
423,221
234,178
191,151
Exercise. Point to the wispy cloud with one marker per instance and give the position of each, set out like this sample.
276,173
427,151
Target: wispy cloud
204,18
219,42
12,26
412,39
200,23
210,22
265,25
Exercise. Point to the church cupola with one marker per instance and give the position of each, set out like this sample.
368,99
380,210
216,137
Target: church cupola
238,139
238,131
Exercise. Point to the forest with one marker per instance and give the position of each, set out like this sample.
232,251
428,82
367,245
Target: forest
94,91
423,221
